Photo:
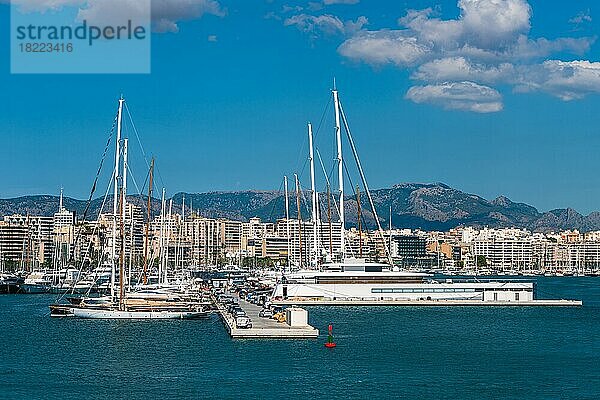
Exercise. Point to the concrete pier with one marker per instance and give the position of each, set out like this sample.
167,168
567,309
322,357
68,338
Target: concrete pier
431,303
263,328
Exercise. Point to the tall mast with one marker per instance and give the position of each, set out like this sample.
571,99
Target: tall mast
338,136
130,206
122,230
360,253
168,239
122,254
390,238
116,199
146,249
287,218
329,219
180,234
124,201
162,239
315,216
299,218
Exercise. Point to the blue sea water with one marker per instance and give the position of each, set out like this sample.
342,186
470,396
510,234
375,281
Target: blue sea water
382,353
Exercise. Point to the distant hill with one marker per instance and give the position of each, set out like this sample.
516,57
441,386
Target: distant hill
433,206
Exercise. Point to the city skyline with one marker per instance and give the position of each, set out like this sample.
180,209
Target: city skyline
222,110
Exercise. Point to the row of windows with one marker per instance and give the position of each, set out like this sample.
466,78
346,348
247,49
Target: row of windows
411,290
447,290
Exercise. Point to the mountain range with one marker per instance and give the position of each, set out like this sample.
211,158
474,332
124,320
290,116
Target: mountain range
434,206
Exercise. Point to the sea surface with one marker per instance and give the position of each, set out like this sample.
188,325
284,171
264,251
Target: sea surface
382,353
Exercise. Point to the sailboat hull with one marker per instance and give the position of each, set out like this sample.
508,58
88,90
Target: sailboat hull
118,314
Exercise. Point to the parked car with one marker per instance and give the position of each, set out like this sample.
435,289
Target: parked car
266,313
243,322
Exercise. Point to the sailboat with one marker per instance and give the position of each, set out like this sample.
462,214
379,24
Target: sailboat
119,305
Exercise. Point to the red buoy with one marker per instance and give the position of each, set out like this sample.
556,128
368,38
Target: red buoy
330,343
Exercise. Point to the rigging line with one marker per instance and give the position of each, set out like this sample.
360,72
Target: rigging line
304,142
275,202
94,185
157,170
142,193
139,195
364,222
362,217
363,178
328,180
323,116
304,200
137,135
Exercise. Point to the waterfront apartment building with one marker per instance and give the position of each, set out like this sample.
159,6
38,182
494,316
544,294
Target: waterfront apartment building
292,240
504,253
26,241
133,233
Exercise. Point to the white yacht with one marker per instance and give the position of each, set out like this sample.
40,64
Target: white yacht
37,282
356,279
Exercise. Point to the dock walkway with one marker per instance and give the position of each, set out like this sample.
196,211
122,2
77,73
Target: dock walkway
263,328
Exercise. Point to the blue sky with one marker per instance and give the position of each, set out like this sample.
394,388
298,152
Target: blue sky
469,96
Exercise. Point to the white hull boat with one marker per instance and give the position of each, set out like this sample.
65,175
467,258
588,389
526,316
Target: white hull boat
119,314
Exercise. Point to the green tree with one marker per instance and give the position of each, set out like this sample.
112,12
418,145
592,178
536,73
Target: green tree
481,261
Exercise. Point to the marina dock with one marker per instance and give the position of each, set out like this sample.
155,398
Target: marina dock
432,303
263,328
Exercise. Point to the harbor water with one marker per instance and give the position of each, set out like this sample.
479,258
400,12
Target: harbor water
382,352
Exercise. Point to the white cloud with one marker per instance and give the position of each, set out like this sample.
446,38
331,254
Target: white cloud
326,24
526,48
115,12
494,23
212,38
465,96
488,43
27,6
165,13
382,47
460,69
422,25
329,2
581,18
567,80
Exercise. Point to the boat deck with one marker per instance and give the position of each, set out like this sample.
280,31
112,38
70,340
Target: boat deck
263,328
